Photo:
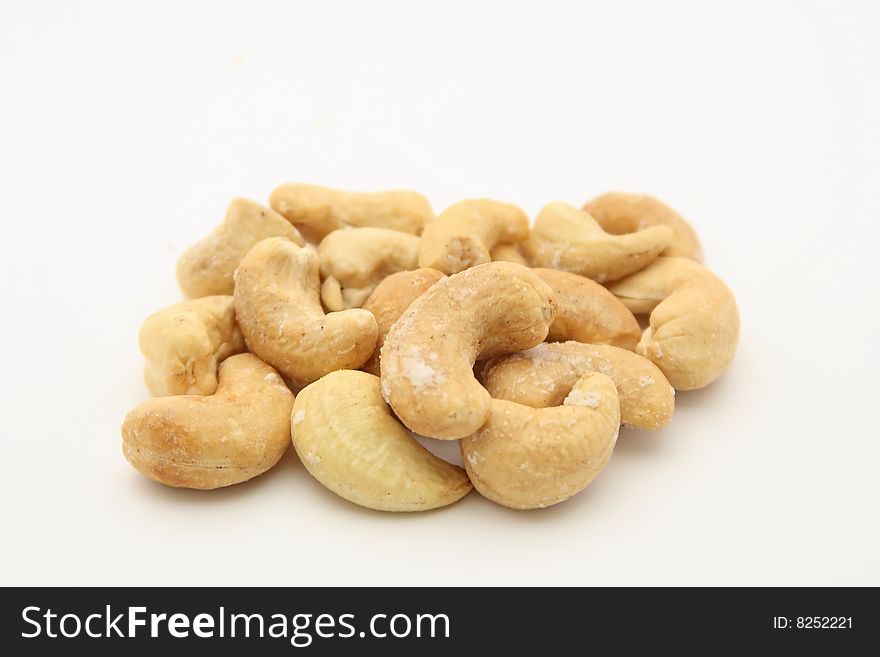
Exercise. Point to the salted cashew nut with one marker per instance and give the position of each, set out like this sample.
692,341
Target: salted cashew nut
207,267
278,308
566,238
205,442
353,262
464,234
508,253
542,376
318,211
694,319
390,300
531,458
620,213
183,344
429,353
350,441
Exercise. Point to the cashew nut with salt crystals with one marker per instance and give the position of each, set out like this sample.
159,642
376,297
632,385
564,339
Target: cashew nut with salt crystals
542,376
207,267
530,458
463,234
349,440
569,239
355,261
694,321
620,213
278,307
205,442
429,353
183,344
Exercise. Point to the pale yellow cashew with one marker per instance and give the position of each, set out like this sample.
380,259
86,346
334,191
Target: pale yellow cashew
429,353
205,442
355,261
694,322
620,213
349,440
207,268
542,376
531,458
508,253
569,239
278,308
183,344
464,234
318,211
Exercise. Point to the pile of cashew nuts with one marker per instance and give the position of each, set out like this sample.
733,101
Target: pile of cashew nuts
347,323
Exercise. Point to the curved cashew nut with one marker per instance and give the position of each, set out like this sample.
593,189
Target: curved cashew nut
390,300
355,261
567,238
182,345
463,234
508,253
530,458
694,322
349,440
429,353
206,442
207,267
620,213
321,210
279,310
542,376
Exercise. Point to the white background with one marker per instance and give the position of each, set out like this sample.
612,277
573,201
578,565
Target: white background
127,127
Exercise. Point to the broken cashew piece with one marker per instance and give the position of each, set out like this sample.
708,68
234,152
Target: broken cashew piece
355,261
278,308
508,253
620,213
694,320
207,268
183,344
349,440
568,239
542,376
531,458
429,353
205,442
463,234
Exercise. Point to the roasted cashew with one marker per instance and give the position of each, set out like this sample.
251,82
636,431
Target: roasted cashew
569,239
508,253
429,353
528,458
183,344
355,261
620,213
542,376
205,442
278,307
463,234
207,267
694,322
349,440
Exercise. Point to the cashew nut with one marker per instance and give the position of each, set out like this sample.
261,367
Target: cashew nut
542,376
182,345
318,211
349,440
206,442
569,239
508,253
390,300
429,353
620,213
278,307
694,322
530,458
207,267
354,262
464,234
